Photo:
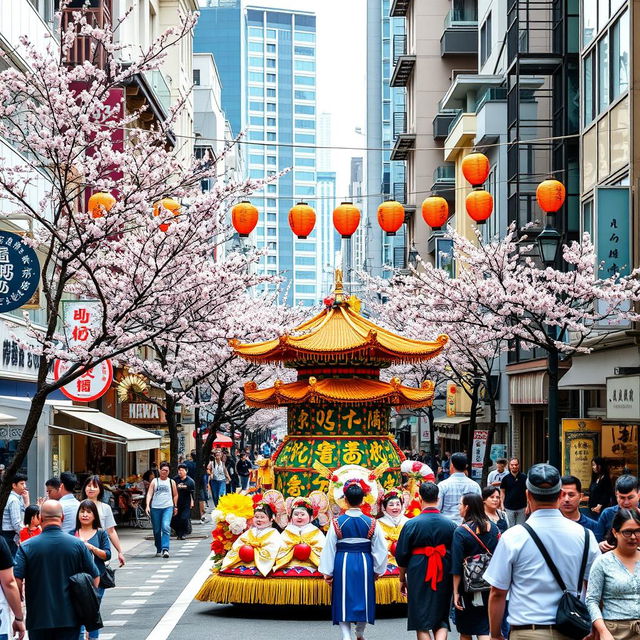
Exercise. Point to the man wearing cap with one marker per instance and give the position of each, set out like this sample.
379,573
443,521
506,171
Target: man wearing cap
518,567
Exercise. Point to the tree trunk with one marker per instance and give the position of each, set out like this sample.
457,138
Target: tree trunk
199,471
472,420
172,428
553,421
486,462
30,428
432,435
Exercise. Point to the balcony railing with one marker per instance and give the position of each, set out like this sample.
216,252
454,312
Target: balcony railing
459,17
159,85
400,192
98,14
444,173
399,123
460,33
399,47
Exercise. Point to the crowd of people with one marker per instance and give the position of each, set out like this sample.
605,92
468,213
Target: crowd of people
498,560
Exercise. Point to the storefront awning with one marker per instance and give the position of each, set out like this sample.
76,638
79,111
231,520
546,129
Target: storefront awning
449,426
134,438
528,388
7,419
591,371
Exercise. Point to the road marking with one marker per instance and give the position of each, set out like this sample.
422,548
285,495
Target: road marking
153,581
168,622
143,593
114,623
123,612
107,636
130,603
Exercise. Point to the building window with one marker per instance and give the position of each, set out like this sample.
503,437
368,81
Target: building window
305,261
257,120
305,176
272,232
305,191
256,76
271,136
271,63
256,106
305,124
271,122
196,77
485,40
304,36
305,65
305,288
305,80
589,89
255,47
272,246
305,109
255,159
272,217
271,48
603,73
305,246
255,32
304,95
301,161
620,56
589,21
304,51
305,275
587,218
271,161
272,188
271,77
271,107
305,138
256,92
256,61
256,135
272,34
271,93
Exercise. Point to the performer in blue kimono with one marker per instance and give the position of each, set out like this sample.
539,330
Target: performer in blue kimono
423,555
354,555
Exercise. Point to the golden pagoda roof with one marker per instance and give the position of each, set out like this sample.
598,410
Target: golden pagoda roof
340,333
339,391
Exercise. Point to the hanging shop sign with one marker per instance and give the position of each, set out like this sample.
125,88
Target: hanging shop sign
479,446
452,389
143,413
338,420
19,272
82,320
623,398
88,387
16,361
580,445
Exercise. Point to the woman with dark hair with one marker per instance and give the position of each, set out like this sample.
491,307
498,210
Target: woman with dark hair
614,581
302,541
257,548
601,488
97,542
491,499
31,523
93,490
477,535
392,521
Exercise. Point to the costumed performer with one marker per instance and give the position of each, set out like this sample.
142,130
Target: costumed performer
265,477
258,546
391,522
302,542
423,555
354,555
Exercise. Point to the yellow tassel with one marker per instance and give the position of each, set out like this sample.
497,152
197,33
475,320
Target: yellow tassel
236,589
226,589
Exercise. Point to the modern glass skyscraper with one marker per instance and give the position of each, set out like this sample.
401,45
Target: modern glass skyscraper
273,53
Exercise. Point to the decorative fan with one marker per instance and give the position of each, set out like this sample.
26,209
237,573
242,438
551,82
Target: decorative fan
276,501
131,383
320,503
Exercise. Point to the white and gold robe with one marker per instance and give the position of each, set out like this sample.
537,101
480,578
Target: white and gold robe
266,544
292,536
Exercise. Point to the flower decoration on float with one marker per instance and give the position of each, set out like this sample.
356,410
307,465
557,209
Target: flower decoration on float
230,520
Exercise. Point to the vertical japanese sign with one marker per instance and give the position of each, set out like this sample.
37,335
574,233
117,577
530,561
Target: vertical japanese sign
452,389
81,323
19,272
477,454
580,445
613,239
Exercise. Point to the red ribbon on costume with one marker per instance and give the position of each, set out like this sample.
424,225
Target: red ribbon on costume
435,572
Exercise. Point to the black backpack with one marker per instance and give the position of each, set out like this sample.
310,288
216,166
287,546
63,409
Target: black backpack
85,601
572,617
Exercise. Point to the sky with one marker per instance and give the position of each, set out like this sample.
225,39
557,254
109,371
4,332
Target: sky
340,73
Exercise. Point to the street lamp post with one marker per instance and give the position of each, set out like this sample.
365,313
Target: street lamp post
551,196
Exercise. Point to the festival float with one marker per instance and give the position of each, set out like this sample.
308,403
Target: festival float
338,413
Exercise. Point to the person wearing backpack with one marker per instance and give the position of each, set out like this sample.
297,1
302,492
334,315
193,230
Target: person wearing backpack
522,565
162,505
473,545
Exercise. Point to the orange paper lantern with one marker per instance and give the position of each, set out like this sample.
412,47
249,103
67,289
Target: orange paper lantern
390,216
435,211
169,204
346,219
550,195
99,203
479,205
244,217
475,168
302,219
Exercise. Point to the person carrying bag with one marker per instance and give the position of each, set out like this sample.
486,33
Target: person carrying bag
474,566
572,617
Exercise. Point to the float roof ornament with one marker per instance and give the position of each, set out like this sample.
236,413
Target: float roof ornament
340,334
347,391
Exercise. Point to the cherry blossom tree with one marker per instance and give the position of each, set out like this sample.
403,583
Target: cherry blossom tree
147,267
501,295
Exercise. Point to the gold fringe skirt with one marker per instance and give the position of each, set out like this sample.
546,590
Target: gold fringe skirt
230,589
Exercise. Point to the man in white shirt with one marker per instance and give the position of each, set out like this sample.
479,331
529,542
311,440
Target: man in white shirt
68,501
454,487
518,568
495,477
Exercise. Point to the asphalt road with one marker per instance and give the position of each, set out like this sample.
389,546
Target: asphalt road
153,600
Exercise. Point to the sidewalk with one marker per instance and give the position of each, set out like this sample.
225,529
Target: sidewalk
131,537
